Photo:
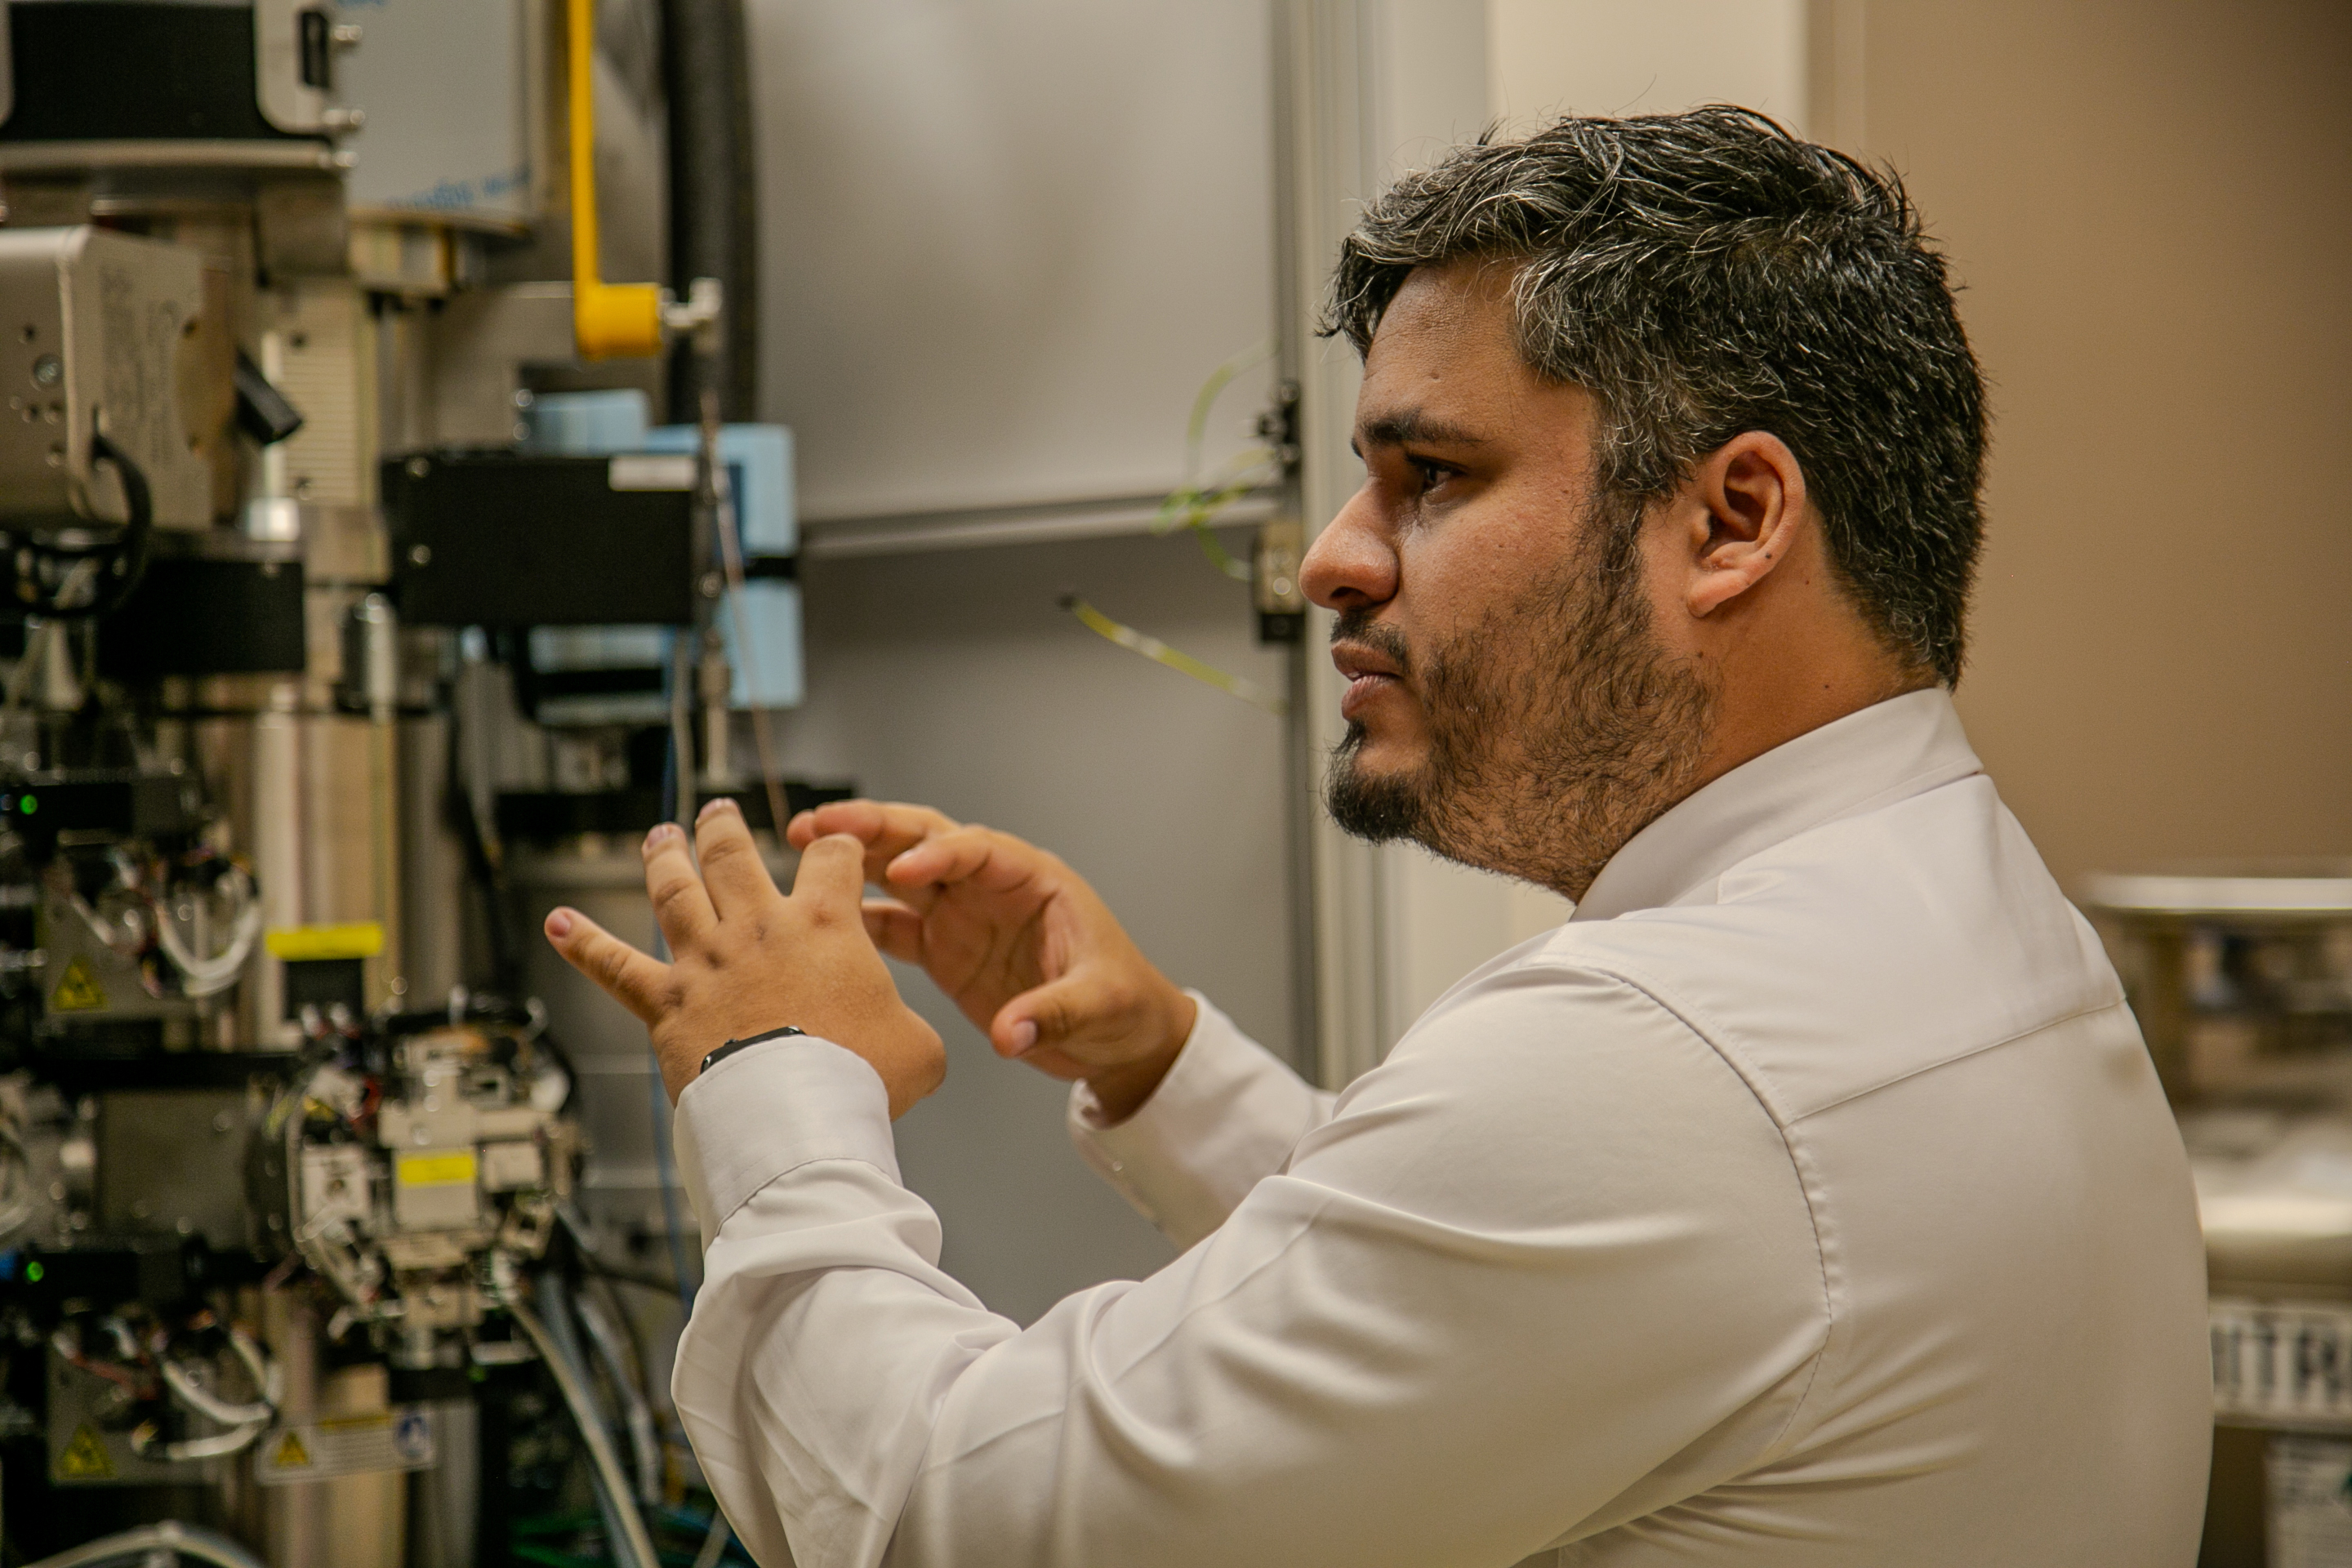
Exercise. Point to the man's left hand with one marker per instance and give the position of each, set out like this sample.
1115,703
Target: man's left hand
746,959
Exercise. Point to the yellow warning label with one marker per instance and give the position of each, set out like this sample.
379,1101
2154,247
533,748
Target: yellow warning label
85,1458
438,1170
287,1452
78,992
356,939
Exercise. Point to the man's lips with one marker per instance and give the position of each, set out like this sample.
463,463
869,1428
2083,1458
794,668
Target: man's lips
1369,673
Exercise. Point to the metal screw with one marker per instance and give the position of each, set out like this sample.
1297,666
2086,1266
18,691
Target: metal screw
222,1122
711,584
418,468
48,370
420,555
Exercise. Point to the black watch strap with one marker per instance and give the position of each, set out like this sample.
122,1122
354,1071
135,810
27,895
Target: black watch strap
731,1046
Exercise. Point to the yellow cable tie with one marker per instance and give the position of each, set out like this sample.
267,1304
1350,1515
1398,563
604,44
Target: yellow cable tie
1184,663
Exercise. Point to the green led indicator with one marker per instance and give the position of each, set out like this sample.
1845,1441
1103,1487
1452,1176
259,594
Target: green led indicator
28,805
33,1271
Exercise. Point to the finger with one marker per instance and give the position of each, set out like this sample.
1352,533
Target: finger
997,861
887,828
801,830
637,982
681,903
895,929
831,877
733,875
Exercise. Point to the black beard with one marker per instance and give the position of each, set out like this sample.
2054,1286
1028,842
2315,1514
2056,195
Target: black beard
1543,766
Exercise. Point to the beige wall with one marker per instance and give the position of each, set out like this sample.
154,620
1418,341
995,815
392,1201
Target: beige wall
1548,57
2149,204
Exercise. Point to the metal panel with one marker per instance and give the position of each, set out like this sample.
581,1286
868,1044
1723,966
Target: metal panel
174,1160
1004,245
95,325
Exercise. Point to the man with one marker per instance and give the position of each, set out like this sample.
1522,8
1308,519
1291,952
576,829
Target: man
1808,1199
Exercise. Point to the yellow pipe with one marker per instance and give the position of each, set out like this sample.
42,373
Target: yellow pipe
609,320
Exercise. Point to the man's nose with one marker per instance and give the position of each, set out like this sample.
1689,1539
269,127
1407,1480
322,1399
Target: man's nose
1350,563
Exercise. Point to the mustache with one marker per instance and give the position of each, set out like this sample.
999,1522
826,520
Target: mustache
1357,626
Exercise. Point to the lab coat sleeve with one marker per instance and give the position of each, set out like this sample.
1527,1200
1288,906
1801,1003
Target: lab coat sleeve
1525,1270
1227,1115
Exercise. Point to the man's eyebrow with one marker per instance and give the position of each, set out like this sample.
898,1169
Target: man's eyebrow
1404,426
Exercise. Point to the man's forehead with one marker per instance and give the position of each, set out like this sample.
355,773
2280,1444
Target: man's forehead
1457,306
1444,368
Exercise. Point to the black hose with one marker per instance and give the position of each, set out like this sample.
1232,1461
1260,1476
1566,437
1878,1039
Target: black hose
714,209
483,873
125,558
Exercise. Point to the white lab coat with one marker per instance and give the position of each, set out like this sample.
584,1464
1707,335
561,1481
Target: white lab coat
1807,1199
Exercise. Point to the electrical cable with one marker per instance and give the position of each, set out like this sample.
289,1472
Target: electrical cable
676,797
1194,505
210,977
1184,663
555,1309
485,854
731,551
189,1540
634,1539
637,1415
265,1376
125,557
25,1204
714,1545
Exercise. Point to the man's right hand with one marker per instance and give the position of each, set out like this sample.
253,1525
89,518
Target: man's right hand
1020,943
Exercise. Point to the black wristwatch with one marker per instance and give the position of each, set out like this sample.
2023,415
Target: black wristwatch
731,1046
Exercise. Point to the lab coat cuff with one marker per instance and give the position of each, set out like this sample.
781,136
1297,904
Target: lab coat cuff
1225,1115
770,1109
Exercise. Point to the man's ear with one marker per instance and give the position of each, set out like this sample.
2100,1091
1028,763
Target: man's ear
1745,503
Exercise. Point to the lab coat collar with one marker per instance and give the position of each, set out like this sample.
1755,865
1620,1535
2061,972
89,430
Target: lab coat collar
1891,750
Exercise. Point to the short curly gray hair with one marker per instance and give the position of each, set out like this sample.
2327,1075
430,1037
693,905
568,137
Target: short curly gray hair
1706,274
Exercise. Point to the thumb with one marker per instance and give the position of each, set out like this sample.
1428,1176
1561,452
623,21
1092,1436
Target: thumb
1048,1015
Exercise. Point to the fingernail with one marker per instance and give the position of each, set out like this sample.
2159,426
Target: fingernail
713,807
1024,1036
558,924
661,830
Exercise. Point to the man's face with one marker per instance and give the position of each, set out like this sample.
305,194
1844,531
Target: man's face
1508,705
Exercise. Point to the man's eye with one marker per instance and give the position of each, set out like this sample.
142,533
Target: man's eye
1431,475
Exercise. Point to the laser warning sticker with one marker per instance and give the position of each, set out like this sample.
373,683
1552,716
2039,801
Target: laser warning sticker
78,991
84,1458
400,1438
